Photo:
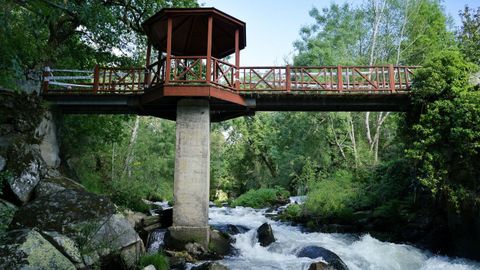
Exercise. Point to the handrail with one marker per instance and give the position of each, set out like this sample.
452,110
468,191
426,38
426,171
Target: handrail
185,70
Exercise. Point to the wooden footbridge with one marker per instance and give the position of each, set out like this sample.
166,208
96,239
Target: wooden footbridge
191,81
186,57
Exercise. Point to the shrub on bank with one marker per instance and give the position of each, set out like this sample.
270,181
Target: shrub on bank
158,260
333,197
263,197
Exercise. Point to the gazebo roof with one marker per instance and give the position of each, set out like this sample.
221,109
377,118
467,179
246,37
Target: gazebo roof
189,31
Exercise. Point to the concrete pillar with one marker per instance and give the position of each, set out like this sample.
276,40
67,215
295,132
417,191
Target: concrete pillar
192,172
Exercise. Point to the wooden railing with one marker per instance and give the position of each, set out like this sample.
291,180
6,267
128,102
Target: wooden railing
100,80
326,79
193,70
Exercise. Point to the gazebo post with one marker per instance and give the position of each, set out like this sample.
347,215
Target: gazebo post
237,60
169,50
209,50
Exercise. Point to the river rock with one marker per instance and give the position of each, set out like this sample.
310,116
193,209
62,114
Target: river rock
220,243
50,185
320,266
210,266
149,267
27,249
231,229
328,256
265,235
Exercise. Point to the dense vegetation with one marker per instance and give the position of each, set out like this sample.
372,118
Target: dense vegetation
398,167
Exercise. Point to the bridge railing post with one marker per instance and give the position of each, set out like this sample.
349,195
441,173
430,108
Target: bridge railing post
96,78
339,78
391,77
288,82
45,79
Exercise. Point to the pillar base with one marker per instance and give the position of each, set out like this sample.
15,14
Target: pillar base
179,236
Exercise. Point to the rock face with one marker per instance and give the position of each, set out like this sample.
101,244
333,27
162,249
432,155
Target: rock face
27,249
331,258
265,235
49,149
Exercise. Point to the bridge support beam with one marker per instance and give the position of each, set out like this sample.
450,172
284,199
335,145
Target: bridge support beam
192,172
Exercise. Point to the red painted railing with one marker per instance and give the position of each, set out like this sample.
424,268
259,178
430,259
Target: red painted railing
192,70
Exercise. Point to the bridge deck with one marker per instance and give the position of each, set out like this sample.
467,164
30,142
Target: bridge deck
233,91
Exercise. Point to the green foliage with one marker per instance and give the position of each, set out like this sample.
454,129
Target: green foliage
333,197
158,260
469,34
129,194
263,197
293,212
444,133
72,34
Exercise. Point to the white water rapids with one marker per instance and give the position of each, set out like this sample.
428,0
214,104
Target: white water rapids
358,253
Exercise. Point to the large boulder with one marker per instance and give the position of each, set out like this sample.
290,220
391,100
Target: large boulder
87,219
265,235
328,256
50,185
220,243
27,249
67,246
63,211
230,228
116,235
25,167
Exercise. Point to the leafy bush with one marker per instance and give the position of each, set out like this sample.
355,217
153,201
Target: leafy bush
158,260
263,197
333,197
293,212
130,194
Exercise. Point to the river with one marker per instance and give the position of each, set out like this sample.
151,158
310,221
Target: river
358,252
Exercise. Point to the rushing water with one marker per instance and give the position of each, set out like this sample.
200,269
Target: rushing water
360,253
363,252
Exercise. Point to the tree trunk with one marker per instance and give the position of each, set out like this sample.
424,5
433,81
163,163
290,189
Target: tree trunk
130,150
337,142
351,133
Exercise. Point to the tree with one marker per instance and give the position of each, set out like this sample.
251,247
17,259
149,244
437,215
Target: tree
469,34
444,134
73,34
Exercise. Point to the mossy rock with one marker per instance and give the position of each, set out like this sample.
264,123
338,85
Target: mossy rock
51,185
27,249
63,211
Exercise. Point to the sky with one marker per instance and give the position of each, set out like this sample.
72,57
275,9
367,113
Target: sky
273,25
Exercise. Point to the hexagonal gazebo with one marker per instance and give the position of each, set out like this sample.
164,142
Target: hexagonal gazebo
192,43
